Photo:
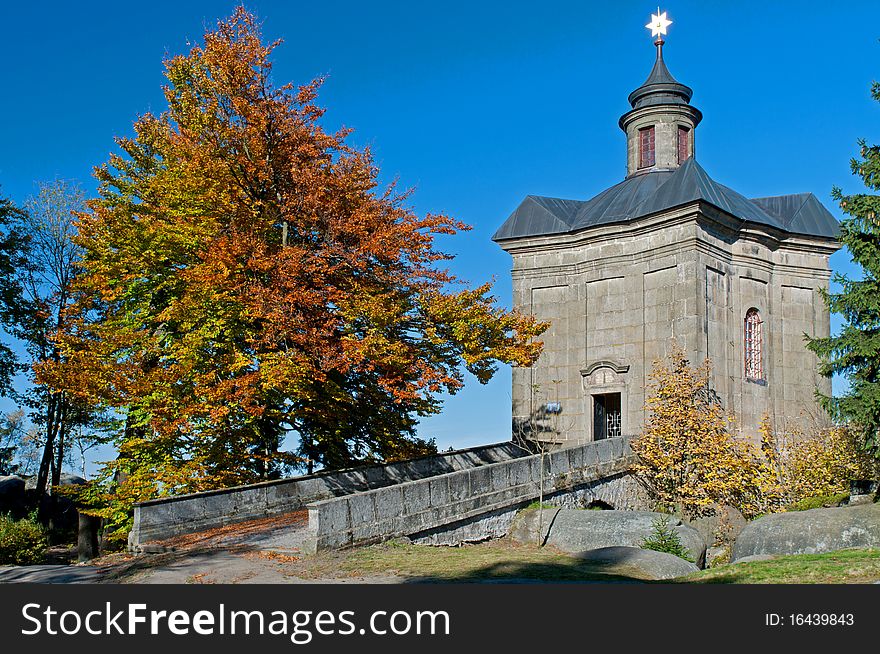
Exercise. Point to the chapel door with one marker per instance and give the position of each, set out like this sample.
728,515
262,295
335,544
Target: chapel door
606,416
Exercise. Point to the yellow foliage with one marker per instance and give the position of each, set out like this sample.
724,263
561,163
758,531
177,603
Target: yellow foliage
823,462
687,458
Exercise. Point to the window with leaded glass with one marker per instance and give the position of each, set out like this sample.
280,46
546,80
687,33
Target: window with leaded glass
754,346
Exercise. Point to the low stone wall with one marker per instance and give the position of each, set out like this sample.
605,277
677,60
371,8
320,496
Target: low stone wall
453,500
184,514
620,491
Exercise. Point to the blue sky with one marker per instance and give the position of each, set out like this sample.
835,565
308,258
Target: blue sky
474,104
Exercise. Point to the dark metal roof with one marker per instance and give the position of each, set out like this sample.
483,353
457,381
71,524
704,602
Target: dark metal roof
801,213
622,201
690,183
660,87
649,193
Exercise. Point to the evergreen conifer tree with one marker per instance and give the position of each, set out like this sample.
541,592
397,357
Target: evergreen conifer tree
855,350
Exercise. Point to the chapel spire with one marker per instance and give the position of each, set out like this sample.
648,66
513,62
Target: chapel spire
660,126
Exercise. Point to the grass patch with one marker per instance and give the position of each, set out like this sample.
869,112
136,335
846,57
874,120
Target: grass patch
818,502
501,559
538,505
842,567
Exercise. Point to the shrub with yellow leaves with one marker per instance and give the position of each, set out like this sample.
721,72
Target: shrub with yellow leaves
687,458
823,463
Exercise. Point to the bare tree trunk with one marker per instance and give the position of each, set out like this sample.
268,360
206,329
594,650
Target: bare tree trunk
266,455
541,500
47,463
44,471
59,461
310,461
59,448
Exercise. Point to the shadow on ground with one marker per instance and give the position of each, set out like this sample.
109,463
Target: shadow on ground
532,573
50,574
245,565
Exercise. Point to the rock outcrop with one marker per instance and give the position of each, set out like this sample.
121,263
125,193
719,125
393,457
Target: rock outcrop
810,532
575,530
637,563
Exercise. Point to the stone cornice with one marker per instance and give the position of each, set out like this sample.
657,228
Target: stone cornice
660,110
683,250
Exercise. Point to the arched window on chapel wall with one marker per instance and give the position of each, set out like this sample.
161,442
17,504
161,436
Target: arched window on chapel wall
754,345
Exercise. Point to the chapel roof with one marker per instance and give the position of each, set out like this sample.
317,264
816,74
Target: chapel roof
660,87
657,191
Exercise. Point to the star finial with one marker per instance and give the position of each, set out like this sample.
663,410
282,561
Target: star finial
659,23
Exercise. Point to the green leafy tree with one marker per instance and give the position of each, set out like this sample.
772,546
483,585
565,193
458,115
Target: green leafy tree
13,247
42,274
11,436
855,350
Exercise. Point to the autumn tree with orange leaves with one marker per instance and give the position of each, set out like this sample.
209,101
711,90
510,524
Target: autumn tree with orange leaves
244,277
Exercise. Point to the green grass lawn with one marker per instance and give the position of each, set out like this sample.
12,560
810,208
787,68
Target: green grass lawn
503,559
490,560
843,567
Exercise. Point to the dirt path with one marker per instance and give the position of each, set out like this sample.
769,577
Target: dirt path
261,551
281,533
224,566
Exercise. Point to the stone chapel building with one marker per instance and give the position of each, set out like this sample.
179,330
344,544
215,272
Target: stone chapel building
668,253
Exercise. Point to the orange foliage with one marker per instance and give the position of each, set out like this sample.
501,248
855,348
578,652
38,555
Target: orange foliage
244,276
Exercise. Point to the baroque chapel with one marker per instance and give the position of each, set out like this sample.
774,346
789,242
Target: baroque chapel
668,255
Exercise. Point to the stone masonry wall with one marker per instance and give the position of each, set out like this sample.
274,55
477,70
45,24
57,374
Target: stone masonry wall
457,498
620,491
164,518
618,295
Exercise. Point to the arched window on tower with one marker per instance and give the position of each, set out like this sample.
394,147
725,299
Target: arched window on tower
684,137
646,147
754,345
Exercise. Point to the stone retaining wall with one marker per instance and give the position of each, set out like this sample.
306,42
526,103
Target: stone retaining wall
184,514
620,491
418,506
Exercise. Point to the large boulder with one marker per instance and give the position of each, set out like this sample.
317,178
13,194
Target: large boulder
65,516
637,563
863,491
526,524
65,479
61,510
575,531
11,486
723,526
810,532
12,496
